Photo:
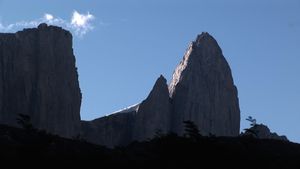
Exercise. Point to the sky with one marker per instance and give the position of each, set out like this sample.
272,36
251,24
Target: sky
122,47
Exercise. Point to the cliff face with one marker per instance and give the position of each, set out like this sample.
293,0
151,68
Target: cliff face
112,130
202,90
38,78
154,112
138,122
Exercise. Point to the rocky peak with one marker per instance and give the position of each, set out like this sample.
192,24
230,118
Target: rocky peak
154,112
42,26
205,38
160,88
202,90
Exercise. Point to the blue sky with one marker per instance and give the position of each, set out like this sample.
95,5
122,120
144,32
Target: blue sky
128,44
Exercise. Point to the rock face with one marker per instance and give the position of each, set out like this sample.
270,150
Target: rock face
154,113
38,78
112,130
138,122
263,132
202,90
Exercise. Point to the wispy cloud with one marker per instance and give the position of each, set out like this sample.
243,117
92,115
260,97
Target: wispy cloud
79,24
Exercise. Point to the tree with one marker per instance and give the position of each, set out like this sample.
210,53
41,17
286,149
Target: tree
251,131
24,121
251,120
191,130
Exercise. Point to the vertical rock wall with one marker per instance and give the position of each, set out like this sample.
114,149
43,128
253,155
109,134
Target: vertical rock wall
38,78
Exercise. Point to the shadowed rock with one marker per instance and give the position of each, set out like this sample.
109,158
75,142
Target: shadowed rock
138,122
202,90
112,130
154,112
263,132
38,78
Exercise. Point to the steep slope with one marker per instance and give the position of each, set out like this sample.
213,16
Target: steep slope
139,122
38,78
154,112
202,90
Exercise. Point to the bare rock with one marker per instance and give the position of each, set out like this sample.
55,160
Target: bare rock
202,90
38,78
112,130
154,112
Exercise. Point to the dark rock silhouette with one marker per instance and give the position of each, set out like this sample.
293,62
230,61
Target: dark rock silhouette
154,112
38,78
139,122
31,148
263,132
39,81
202,90
112,130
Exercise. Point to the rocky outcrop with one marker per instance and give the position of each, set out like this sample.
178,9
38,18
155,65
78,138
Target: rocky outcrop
38,78
202,90
138,122
263,132
154,112
112,130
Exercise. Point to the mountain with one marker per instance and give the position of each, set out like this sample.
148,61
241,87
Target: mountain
154,112
201,90
38,78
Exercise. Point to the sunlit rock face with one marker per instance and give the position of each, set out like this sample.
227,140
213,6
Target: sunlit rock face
202,90
38,78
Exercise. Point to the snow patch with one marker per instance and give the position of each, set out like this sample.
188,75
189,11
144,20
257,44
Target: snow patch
128,109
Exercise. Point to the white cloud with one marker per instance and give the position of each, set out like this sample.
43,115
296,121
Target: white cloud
79,24
81,19
48,17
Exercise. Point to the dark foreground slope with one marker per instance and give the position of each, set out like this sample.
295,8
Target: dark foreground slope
32,147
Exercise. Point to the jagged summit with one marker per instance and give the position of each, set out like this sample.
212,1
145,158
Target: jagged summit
42,26
39,78
162,78
160,83
202,36
154,112
202,90
205,40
